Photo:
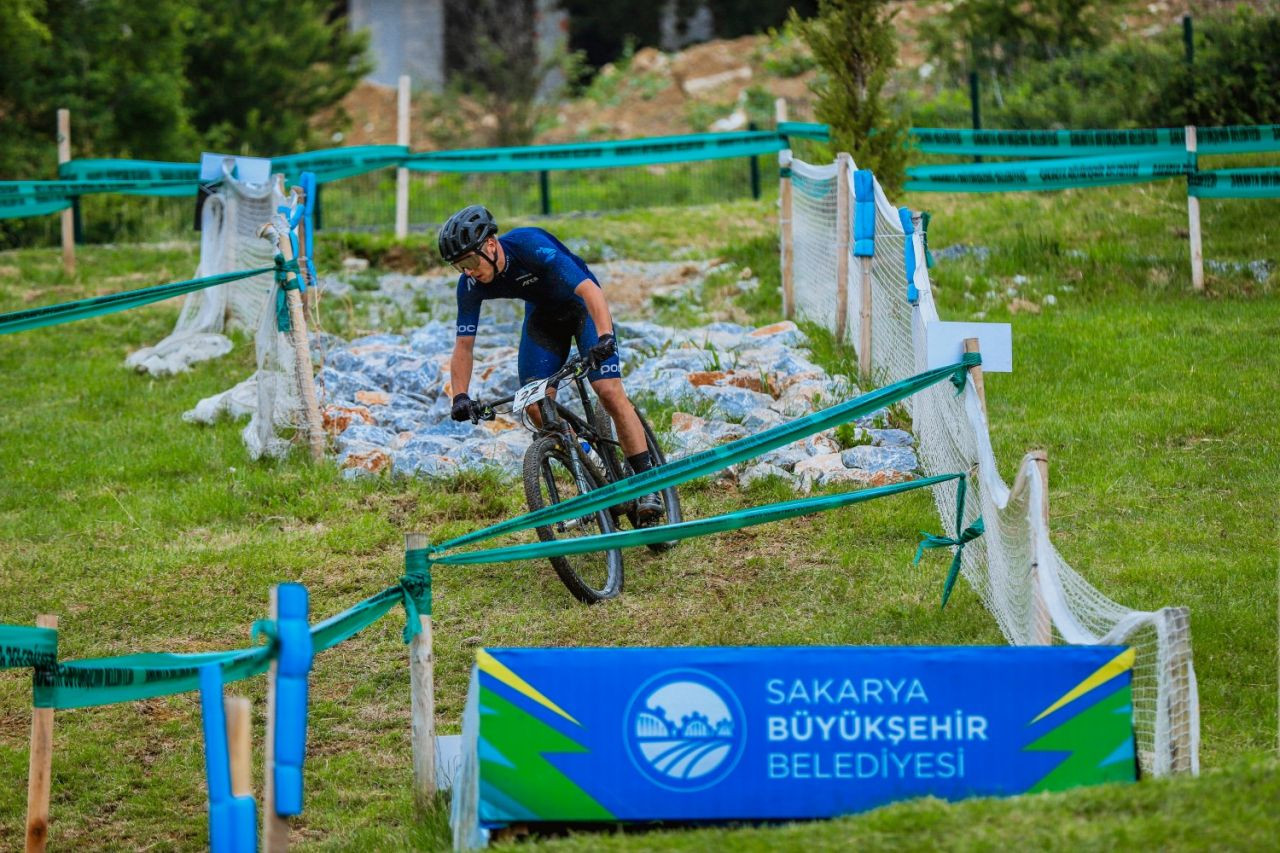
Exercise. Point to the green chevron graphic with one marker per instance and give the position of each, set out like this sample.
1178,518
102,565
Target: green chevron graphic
1099,741
516,775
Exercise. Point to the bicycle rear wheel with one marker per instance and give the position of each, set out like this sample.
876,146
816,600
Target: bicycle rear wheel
549,478
672,512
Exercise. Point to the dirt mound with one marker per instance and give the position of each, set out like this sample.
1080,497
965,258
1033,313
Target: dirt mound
718,86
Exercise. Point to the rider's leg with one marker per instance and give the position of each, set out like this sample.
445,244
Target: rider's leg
616,403
544,348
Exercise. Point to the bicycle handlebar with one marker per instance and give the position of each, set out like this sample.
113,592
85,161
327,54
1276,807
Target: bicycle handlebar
573,368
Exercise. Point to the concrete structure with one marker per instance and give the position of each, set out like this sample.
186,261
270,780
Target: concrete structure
406,37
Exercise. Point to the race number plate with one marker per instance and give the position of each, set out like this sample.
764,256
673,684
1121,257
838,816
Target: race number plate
529,394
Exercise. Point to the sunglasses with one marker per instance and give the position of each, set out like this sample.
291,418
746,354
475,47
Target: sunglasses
467,263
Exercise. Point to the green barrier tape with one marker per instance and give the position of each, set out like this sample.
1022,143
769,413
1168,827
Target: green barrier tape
686,529
20,207
416,586
1231,139
334,164
107,681
805,130
1048,174
1235,183
600,155
137,171
52,315
24,646
681,470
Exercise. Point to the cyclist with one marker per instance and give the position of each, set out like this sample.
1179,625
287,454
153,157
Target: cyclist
563,302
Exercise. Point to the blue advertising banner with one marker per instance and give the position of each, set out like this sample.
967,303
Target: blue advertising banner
564,735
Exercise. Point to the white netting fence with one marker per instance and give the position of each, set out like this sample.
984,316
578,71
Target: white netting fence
229,242
1034,595
270,395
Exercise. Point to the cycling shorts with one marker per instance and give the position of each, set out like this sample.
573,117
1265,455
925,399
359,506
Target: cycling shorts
548,333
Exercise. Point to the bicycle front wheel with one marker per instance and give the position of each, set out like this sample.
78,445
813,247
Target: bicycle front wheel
550,478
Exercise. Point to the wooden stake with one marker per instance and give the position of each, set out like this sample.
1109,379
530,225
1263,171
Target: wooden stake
239,712
1042,622
971,345
275,829
40,763
843,231
402,175
68,215
301,354
864,324
1182,758
784,219
422,692
1193,219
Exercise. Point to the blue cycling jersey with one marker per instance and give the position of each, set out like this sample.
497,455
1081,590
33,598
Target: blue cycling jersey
540,270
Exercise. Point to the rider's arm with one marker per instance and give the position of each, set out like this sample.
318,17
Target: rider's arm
460,364
593,296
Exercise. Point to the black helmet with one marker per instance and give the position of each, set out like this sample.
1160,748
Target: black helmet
465,231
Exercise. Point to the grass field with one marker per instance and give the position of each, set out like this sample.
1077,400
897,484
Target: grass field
1157,408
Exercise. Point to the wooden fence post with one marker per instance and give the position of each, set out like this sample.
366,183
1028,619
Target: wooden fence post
423,699
843,235
402,174
1042,626
68,215
975,373
40,764
301,351
787,251
1193,219
1182,758
239,712
275,829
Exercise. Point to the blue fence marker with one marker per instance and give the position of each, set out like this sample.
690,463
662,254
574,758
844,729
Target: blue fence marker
864,214
909,254
292,667
233,821
308,182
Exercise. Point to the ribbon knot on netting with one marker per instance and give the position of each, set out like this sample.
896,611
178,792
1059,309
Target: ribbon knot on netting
265,628
964,535
415,590
970,359
973,531
283,268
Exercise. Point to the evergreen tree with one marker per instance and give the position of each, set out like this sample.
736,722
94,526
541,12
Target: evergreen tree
854,45
259,72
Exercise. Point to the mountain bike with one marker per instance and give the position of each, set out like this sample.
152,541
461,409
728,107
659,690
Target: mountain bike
574,453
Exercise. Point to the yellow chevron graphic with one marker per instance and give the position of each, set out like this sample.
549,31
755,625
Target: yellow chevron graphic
1118,664
488,663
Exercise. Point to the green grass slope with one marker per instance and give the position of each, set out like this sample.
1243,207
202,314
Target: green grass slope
144,533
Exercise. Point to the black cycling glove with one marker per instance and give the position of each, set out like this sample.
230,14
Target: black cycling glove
463,406
605,346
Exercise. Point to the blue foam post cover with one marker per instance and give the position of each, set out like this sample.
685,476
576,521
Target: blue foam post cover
292,668
864,214
308,182
909,254
233,821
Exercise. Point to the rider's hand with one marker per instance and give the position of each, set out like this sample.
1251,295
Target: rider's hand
605,346
463,407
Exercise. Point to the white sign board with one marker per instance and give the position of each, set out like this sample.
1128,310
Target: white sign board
250,170
946,344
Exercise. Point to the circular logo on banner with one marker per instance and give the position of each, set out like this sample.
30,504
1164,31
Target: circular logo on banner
684,730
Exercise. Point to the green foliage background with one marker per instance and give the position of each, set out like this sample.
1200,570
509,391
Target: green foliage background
164,79
855,47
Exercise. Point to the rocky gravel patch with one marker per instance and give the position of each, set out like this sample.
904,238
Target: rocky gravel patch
386,399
